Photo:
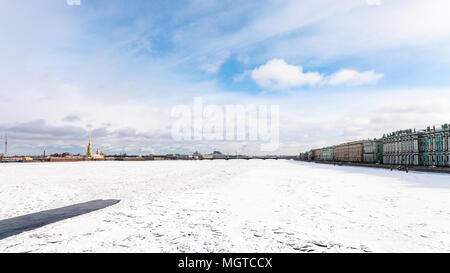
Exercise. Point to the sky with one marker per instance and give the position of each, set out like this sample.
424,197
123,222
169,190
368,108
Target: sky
338,70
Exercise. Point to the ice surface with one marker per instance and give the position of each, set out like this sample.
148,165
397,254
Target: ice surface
228,206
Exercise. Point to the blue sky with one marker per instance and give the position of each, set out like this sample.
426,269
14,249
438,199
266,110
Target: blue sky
339,70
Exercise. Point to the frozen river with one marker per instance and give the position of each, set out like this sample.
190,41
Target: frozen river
227,206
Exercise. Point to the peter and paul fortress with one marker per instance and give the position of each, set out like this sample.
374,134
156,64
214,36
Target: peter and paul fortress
89,155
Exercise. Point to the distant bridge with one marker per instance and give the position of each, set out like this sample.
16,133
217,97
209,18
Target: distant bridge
245,157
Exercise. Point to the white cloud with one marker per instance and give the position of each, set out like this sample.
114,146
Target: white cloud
277,73
368,30
213,65
353,78
242,76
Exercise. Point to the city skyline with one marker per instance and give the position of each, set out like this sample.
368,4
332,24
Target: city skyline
119,68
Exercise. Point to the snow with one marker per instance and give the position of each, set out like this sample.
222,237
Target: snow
228,206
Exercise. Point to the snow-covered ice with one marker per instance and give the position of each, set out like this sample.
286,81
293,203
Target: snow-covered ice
228,206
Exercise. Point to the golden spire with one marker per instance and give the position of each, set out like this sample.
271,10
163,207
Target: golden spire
89,148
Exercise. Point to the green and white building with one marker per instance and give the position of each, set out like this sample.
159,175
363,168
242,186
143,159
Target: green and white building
428,147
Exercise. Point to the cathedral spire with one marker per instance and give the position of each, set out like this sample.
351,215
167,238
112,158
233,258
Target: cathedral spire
89,147
89,155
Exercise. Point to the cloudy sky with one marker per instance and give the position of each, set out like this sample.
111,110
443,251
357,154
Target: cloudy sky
339,70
